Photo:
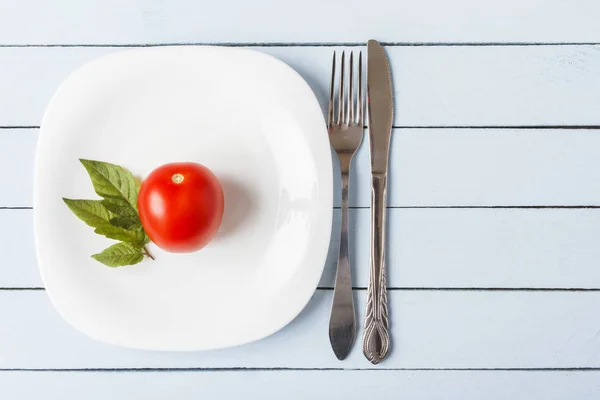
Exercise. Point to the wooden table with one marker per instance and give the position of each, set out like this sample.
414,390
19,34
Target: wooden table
494,197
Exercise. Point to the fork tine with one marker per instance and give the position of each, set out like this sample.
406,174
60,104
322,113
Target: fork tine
350,98
330,120
341,111
360,105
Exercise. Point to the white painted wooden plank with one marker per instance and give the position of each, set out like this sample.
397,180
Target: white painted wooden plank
460,167
449,85
429,329
30,76
17,161
301,385
478,248
430,248
428,167
150,21
19,267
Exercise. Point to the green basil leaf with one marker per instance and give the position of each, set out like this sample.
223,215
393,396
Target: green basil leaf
135,238
129,223
146,238
119,206
112,181
92,212
116,215
120,254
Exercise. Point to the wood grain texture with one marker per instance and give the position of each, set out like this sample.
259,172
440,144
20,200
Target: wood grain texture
434,86
427,248
428,167
300,385
429,330
153,21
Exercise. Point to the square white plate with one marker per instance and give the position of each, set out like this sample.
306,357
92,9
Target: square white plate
257,125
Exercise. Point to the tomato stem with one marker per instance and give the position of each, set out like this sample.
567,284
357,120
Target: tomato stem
146,252
177,178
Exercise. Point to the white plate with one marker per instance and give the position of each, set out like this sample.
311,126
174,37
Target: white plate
257,125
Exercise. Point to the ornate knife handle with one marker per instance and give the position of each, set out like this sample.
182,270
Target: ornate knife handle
376,338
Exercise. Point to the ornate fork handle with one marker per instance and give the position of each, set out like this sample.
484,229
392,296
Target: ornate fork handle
376,338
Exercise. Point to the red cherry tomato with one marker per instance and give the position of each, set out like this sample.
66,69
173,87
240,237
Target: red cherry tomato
181,206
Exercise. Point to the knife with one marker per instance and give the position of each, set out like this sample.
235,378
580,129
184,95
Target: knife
376,338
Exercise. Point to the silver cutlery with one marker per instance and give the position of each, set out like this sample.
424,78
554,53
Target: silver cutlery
376,338
345,126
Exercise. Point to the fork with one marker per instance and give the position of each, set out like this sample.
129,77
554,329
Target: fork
345,127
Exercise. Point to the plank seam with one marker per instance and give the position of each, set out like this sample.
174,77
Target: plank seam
280,369
20,127
482,127
531,207
404,289
309,44
471,289
499,127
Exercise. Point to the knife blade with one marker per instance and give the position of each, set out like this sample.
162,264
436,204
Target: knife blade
380,106
376,338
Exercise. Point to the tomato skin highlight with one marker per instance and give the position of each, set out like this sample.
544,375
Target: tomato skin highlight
181,206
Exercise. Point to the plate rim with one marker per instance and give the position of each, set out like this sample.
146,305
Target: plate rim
326,208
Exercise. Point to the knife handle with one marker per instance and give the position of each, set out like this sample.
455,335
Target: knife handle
376,338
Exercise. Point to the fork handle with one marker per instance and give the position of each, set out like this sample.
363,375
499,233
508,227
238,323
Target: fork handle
342,323
376,338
